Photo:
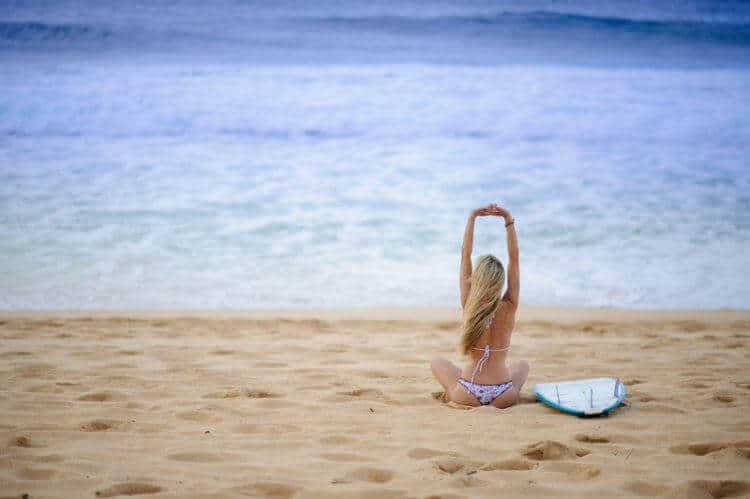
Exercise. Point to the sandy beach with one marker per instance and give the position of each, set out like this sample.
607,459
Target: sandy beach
341,403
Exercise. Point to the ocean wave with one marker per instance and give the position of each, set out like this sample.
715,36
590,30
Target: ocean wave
724,32
36,33
245,34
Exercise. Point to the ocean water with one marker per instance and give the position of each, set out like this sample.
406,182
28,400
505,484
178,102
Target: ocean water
314,154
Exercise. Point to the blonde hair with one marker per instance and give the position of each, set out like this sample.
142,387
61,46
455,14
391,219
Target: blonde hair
487,282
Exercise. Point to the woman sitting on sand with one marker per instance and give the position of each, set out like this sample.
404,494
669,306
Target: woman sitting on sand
488,321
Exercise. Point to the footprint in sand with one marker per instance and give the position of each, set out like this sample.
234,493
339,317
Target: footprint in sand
724,397
130,352
222,352
373,475
702,449
267,489
99,397
716,488
100,425
512,464
546,450
261,394
449,465
592,439
23,441
128,489
734,345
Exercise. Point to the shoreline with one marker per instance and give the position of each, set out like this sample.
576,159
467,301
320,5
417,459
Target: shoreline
562,314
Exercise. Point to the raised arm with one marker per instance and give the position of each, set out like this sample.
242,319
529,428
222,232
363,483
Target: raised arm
514,282
466,248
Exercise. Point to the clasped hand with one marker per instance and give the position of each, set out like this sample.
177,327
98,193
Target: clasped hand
491,210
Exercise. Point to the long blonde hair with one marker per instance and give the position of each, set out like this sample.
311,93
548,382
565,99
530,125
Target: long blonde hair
487,282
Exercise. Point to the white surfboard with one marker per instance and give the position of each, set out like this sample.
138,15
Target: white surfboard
583,397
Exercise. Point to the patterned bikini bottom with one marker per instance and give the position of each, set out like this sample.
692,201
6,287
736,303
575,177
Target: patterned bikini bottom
485,393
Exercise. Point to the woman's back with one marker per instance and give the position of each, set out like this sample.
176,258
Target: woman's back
498,335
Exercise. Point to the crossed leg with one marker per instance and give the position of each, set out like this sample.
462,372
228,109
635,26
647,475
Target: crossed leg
447,374
445,371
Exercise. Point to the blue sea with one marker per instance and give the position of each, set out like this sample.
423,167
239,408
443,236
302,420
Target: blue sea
243,154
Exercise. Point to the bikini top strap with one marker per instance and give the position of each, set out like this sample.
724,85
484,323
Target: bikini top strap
485,357
487,347
480,364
